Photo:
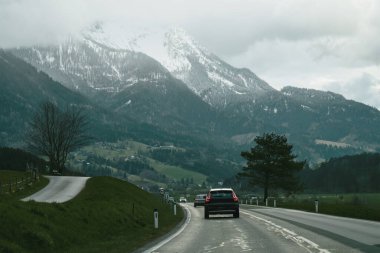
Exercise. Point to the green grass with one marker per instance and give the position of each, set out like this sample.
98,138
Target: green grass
124,149
176,172
361,206
6,176
109,215
137,180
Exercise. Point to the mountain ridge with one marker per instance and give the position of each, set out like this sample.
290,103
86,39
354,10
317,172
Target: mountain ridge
309,118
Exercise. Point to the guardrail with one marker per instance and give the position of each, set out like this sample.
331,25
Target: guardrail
270,201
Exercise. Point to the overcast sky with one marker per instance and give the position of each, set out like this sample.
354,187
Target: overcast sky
328,45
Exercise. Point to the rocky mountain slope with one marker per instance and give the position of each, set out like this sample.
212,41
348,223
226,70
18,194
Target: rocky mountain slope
186,89
216,82
22,89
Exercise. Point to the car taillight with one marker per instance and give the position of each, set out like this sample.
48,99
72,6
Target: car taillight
236,199
208,199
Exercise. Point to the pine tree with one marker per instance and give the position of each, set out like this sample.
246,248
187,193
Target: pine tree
271,164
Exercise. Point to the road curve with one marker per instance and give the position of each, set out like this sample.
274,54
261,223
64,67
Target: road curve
363,231
255,231
60,189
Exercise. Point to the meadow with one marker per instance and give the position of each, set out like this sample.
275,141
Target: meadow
358,205
109,215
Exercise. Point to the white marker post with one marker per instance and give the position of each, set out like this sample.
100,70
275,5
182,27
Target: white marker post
155,214
274,203
257,202
316,205
175,209
266,202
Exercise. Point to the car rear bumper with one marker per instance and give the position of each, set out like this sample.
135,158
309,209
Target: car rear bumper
222,208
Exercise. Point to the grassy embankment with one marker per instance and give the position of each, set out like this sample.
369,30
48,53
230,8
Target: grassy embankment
361,206
109,215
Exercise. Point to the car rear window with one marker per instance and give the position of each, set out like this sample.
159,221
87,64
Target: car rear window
201,197
221,194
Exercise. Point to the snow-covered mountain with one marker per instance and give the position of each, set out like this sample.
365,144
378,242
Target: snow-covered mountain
125,81
216,82
86,65
166,79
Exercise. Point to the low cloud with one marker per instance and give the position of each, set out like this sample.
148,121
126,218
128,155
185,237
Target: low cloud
291,42
364,88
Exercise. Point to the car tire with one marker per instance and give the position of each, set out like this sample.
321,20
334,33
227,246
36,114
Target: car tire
195,205
236,214
206,213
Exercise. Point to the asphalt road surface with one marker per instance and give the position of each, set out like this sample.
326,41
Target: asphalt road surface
270,230
60,189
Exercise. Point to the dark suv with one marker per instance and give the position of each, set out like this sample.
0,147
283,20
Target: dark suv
221,201
199,200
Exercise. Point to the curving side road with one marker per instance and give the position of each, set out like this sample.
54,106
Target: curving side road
60,189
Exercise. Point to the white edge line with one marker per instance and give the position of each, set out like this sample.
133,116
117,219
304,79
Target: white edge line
293,236
162,243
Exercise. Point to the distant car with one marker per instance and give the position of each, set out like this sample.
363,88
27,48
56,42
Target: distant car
55,173
182,200
221,201
199,200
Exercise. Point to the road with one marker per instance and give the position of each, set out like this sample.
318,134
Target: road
270,230
60,189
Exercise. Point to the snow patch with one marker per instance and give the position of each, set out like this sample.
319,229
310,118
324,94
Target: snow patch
332,143
219,79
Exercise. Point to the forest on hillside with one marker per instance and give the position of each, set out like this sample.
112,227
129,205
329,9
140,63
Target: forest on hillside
19,160
347,174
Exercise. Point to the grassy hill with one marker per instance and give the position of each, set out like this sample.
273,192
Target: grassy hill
108,215
113,159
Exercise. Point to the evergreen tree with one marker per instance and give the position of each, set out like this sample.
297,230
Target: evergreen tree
271,165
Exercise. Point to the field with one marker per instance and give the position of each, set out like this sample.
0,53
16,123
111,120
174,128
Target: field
109,215
26,184
176,172
361,206
132,149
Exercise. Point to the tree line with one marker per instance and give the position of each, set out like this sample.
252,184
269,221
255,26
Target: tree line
347,174
272,167
19,160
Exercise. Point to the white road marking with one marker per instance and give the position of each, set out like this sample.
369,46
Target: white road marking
309,245
162,243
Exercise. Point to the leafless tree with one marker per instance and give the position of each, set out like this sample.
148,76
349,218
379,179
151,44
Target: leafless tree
55,133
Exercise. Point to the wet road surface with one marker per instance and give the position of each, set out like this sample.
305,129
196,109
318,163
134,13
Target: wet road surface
258,230
60,189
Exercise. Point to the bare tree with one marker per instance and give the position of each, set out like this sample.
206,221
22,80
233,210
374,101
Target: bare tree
55,133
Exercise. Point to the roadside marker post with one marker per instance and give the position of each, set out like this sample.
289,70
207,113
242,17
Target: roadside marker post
175,209
274,203
155,215
316,205
266,202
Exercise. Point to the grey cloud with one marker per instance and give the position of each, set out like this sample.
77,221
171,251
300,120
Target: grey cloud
294,42
365,88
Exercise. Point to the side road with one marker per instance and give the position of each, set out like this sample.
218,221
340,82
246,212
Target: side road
60,189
